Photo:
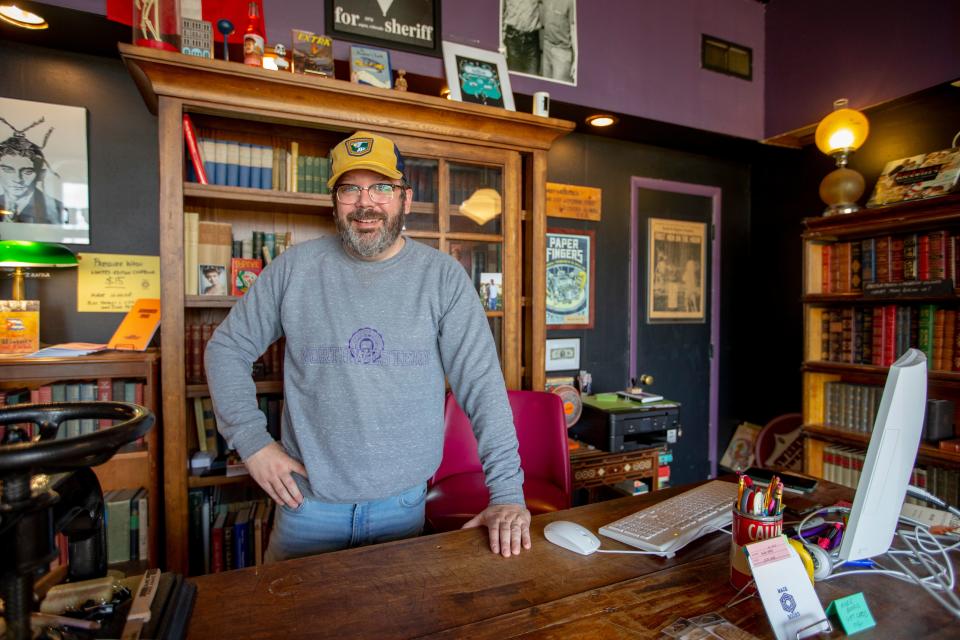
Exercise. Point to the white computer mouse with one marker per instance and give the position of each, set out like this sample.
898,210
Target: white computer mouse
572,536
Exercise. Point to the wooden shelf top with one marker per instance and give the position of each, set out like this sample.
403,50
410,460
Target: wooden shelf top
848,298
231,88
823,366
103,364
893,218
216,481
926,453
263,386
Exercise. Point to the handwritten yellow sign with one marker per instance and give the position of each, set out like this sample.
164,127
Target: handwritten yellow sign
572,201
108,282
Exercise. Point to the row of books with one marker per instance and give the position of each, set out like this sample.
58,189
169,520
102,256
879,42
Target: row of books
103,389
127,520
229,528
197,335
851,266
878,334
852,407
209,439
843,465
216,263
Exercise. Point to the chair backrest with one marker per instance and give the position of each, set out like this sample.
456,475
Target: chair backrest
541,433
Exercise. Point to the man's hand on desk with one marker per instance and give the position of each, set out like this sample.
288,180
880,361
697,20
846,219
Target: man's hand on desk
271,467
509,527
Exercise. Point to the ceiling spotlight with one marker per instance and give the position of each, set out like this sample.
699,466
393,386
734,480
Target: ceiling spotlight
18,17
601,120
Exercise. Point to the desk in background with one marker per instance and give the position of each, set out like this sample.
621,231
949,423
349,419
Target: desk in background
450,585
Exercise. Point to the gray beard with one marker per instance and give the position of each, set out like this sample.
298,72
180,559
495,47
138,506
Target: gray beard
368,245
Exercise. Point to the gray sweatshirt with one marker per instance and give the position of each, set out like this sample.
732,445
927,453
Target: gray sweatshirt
367,347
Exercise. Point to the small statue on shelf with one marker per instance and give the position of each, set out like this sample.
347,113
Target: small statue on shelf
280,52
225,27
401,83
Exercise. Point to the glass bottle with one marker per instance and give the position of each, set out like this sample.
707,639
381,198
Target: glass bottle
253,36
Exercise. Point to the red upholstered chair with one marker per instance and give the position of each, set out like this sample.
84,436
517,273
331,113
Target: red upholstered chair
457,491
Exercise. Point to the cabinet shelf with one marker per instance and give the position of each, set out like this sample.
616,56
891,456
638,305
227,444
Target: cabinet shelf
860,299
216,481
917,215
824,366
926,454
263,386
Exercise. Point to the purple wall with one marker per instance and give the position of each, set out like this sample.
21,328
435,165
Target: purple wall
637,58
886,50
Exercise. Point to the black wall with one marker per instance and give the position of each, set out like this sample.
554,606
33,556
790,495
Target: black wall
122,141
608,164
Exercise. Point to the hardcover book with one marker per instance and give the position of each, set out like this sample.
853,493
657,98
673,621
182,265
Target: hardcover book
243,273
923,176
312,53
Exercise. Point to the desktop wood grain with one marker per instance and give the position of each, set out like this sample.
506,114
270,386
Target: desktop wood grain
451,586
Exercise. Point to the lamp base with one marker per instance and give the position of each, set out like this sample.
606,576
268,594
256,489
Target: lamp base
841,209
840,190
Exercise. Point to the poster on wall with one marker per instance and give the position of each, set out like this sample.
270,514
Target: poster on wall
44,187
570,279
676,254
410,25
539,38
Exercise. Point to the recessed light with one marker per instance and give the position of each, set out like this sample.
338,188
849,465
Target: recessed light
601,120
18,17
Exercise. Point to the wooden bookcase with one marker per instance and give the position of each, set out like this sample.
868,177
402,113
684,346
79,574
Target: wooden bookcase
135,466
841,415
463,147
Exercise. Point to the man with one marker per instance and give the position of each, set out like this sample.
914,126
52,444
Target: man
21,169
521,35
373,323
493,294
559,31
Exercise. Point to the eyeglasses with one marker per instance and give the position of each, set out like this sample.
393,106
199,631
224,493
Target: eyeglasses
380,193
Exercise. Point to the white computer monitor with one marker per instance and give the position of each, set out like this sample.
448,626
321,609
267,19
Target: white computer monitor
890,459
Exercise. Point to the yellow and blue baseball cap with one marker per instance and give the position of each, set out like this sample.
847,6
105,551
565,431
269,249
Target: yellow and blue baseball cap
365,150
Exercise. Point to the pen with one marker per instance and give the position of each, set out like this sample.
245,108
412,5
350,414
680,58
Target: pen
739,490
825,542
866,562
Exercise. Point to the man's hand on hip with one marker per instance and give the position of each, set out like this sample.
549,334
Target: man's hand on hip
509,527
271,467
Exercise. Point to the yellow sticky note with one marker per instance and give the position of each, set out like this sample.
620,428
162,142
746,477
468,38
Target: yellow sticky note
108,282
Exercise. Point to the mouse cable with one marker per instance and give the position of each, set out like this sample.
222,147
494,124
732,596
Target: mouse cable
923,494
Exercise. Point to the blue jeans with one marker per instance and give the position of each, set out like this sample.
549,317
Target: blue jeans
315,526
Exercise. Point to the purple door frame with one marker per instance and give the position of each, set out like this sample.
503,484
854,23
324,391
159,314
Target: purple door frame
714,193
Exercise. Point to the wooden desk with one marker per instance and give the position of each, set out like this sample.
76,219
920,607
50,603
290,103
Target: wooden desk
449,585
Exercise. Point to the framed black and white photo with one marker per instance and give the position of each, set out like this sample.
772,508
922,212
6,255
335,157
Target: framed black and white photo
408,25
676,251
539,38
563,354
570,279
44,184
478,76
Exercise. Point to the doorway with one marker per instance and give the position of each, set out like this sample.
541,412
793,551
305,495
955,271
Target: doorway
671,337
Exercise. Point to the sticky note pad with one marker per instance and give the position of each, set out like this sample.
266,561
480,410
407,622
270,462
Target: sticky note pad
853,613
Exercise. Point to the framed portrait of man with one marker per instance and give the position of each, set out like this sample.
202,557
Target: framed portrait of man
44,184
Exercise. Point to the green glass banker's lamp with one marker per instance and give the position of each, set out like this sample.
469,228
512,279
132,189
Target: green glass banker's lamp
21,254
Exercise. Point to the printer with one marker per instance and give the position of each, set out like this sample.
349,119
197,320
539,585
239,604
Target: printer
614,424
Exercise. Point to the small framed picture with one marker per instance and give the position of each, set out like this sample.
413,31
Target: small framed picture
563,354
491,291
478,76
213,280
411,25
370,66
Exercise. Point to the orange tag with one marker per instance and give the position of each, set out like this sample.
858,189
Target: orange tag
138,327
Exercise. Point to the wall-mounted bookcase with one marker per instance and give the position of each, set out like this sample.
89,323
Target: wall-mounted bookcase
876,283
452,149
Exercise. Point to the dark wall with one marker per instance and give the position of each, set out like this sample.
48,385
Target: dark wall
608,164
124,185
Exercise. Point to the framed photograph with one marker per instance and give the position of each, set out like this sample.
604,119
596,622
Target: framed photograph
676,258
563,354
478,76
491,291
570,288
540,38
44,183
212,280
371,66
407,25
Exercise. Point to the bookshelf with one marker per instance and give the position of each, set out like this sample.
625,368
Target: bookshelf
875,283
454,148
134,465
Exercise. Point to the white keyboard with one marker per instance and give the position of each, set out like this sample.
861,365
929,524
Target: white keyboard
666,527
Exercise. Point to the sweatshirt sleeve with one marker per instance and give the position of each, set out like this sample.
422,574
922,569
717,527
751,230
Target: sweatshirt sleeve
470,363
251,326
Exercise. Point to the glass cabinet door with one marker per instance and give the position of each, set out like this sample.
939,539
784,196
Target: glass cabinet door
422,175
476,199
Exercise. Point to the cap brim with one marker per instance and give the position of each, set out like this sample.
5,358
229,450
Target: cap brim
376,167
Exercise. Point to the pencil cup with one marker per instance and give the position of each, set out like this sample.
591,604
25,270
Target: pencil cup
746,529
